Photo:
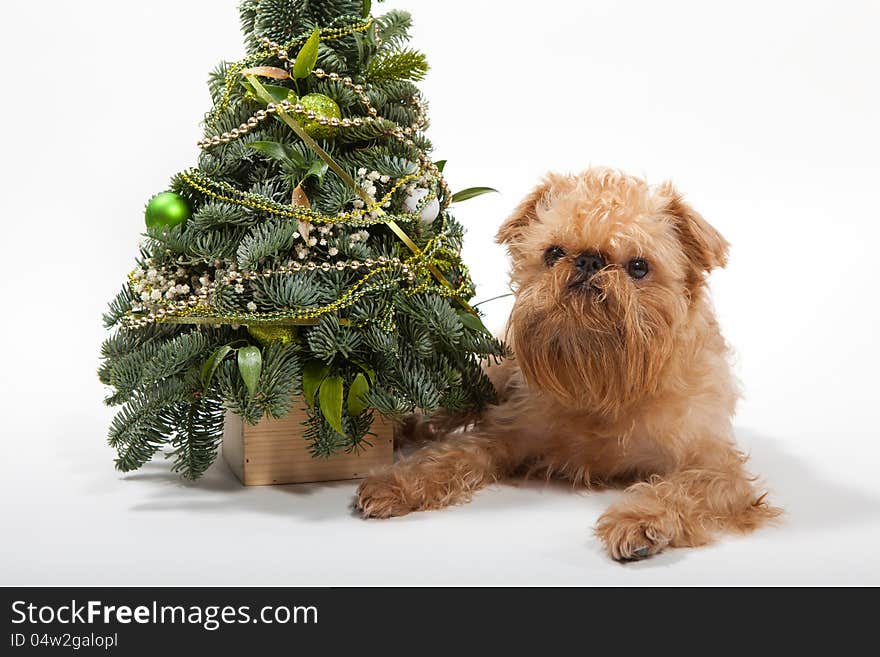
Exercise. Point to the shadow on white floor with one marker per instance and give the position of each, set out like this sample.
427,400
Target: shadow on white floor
810,502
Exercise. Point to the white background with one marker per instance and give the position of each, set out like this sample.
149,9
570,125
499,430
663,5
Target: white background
763,113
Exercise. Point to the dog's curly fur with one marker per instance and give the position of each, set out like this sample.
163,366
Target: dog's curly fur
615,380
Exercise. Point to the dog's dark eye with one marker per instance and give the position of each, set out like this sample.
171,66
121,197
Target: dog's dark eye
553,254
637,268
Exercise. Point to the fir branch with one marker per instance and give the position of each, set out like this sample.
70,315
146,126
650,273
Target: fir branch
217,81
175,356
396,91
379,341
332,60
277,19
200,430
334,197
125,373
417,338
394,29
280,380
271,238
323,439
389,403
400,114
406,64
140,428
278,384
234,394
211,245
289,291
330,339
216,214
119,307
436,316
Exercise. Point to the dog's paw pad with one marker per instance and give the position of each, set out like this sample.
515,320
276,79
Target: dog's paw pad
636,554
381,497
642,552
632,539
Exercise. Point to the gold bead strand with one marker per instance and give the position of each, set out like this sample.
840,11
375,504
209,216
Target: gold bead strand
229,194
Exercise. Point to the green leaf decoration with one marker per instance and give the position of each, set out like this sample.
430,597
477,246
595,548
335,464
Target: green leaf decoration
473,322
280,152
440,164
313,375
369,371
308,56
472,192
292,161
359,388
211,365
367,7
250,364
277,92
318,169
330,398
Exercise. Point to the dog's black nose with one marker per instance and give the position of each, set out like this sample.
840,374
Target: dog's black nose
589,263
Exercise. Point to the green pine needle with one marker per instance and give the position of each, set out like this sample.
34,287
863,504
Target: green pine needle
402,65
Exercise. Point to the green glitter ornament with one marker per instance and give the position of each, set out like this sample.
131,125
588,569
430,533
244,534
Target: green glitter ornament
266,334
324,107
166,211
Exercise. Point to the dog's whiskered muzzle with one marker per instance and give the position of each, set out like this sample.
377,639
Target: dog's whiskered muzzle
585,286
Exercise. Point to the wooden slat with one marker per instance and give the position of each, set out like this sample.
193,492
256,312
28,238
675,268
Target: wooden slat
274,452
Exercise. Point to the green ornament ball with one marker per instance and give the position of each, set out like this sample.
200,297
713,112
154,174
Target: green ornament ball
167,210
323,107
266,334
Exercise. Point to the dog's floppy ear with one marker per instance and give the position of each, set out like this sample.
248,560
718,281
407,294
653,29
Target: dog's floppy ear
524,214
702,243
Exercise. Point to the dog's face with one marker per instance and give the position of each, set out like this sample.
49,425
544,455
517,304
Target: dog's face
605,270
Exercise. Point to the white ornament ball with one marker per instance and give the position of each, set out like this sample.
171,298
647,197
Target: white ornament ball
430,212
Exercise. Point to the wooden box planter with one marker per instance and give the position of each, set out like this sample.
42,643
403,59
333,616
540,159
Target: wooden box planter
274,452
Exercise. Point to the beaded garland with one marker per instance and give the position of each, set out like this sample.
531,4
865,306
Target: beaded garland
223,191
296,108
198,304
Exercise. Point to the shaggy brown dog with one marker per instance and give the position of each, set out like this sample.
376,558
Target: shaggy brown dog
620,373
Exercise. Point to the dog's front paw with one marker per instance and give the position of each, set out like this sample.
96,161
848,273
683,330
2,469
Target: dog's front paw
381,496
631,537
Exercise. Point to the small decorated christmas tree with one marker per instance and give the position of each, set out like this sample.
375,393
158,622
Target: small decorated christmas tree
310,253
